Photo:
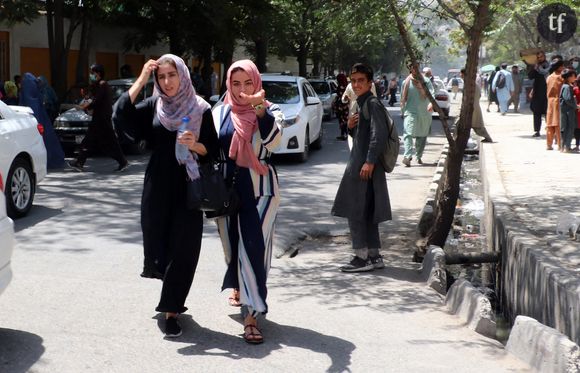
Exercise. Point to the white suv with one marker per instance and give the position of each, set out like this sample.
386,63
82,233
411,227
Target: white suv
6,241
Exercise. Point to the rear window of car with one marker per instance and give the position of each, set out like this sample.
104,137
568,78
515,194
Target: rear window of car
118,90
282,92
320,87
439,85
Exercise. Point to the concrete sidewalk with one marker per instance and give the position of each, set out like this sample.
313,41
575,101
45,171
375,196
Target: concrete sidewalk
527,189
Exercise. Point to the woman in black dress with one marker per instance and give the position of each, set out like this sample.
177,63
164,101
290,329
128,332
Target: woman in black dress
171,233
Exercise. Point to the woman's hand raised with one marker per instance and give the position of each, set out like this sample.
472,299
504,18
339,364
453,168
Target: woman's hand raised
149,67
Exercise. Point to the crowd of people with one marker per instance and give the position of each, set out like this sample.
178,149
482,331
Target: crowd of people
554,95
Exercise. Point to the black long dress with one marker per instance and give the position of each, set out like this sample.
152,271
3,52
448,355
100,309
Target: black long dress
171,233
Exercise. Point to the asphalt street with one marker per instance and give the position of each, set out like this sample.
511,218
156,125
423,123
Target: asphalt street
77,303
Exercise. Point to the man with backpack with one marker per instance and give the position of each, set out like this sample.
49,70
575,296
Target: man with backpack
362,196
503,86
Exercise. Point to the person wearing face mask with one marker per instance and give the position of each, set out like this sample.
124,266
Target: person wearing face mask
100,135
250,130
172,233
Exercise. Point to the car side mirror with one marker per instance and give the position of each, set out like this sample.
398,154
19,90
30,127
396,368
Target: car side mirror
312,100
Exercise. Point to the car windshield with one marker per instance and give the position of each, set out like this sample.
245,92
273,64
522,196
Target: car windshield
321,88
282,92
439,85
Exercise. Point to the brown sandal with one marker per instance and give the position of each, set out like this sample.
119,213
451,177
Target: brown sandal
253,335
234,299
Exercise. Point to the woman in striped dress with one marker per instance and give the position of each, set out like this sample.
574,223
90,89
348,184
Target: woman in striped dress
249,131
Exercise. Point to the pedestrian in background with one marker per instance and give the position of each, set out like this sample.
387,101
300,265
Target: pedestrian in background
503,86
568,110
31,96
171,232
477,124
49,98
341,108
553,86
100,136
250,130
362,195
518,82
454,86
492,96
416,110
577,129
428,73
393,87
11,97
538,95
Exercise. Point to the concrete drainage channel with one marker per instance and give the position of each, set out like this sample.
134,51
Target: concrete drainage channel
472,289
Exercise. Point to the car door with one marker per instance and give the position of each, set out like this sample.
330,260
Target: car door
314,111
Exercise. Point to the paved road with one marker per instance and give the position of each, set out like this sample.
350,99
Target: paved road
77,304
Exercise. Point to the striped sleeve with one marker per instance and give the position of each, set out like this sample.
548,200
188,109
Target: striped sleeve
272,135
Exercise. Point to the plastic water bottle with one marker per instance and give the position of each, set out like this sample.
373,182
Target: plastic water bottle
182,150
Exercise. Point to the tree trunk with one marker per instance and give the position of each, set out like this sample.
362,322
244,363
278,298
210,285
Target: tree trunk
301,57
445,205
83,61
261,45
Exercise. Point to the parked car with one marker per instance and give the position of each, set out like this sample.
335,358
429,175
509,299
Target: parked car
72,125
6,241
302,111
442,97
326,90
22,157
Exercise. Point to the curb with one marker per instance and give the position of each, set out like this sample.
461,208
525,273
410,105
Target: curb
472,307
427,213
542,347
433,269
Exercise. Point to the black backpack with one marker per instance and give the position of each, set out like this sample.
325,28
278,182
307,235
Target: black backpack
500,80
388,157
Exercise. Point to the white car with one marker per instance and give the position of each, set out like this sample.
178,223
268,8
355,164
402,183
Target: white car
6,241
442,97
22,157
302,110
326,91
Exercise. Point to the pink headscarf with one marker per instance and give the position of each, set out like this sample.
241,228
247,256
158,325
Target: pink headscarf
245,120
185,103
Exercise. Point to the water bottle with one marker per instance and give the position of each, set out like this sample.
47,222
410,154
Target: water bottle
182,150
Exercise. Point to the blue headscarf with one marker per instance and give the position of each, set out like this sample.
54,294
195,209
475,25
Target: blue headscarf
30,96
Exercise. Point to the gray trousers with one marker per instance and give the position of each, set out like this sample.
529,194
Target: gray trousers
364,234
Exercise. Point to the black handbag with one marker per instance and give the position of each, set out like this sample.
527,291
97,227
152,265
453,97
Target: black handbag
232,205
210,193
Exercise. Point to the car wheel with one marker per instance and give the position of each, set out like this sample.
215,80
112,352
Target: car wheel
318,143
20,188
303,157
446,112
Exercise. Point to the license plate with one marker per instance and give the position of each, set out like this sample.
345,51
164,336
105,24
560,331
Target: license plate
79,139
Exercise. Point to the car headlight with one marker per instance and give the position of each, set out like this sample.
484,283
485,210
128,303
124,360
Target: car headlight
290,121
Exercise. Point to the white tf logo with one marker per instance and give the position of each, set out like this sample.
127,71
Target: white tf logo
559,20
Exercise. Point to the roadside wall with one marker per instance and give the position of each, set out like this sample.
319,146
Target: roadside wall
532,284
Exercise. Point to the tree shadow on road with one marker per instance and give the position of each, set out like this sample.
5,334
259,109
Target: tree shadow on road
205,341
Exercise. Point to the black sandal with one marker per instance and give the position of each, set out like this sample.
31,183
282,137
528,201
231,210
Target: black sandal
252,337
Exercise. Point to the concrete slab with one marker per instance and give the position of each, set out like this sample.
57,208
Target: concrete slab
465,301
542,347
